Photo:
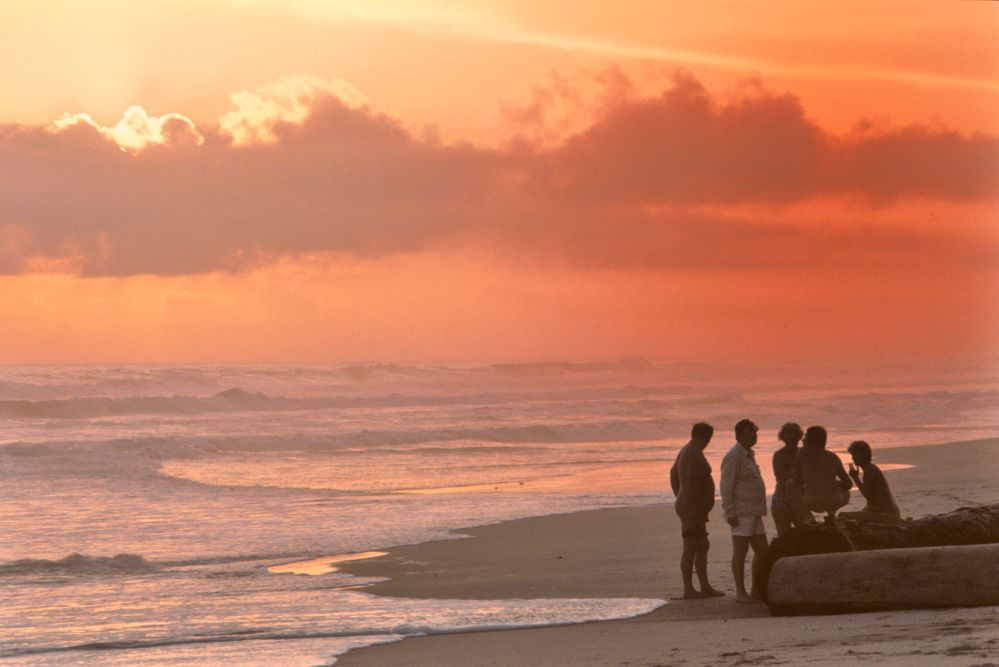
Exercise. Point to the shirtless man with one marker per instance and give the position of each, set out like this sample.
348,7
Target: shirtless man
694,489
881,507
824,484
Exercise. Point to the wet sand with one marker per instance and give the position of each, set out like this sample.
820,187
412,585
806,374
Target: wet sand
634,552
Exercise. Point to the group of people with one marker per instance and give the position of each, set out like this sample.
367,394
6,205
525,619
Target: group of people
808,479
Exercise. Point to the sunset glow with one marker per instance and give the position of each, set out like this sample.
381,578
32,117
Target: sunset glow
254,180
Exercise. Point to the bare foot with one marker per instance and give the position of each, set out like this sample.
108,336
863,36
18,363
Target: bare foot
711,593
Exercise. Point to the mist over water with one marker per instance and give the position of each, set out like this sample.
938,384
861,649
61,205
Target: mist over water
144,504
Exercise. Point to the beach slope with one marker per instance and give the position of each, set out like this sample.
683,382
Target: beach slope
634,552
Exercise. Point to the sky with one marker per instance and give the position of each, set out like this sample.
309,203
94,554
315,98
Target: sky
498,180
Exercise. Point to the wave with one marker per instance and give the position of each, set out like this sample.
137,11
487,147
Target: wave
229,400
103,406
628,365
866,409
125,564
142,458
364,440
606,609
34,383
237,399
80,564
238,636
600,431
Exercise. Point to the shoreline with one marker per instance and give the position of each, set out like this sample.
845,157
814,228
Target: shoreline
634,552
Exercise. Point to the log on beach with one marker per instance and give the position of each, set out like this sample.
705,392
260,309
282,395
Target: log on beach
881,579
966,526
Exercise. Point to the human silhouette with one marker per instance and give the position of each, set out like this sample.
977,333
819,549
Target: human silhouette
785,504
881,507
694,489
744,499
824,484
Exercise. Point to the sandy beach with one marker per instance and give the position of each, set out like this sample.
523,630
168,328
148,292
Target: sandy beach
634,552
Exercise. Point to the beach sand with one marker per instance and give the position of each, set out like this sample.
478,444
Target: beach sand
634,552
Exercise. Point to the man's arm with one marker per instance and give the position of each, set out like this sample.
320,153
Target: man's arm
696,477
844,479
865,488
674,478
729,471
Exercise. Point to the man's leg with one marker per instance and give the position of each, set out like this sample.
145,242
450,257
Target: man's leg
761,550
842,500
687,566
701,564
783,515
740,547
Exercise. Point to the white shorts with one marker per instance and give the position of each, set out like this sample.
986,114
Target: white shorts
749,526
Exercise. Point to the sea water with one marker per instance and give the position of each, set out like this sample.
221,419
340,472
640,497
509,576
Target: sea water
147,510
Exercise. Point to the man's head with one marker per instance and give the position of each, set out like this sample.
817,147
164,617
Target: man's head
790,433
815,436
745,432
860,451
701,433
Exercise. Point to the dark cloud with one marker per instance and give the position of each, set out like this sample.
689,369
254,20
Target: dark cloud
683,148
916,162
686,147
347,179
343,180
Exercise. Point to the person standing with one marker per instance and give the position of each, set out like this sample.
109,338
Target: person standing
744,500
694,490
785,505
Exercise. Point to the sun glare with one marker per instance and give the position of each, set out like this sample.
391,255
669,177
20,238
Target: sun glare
137,129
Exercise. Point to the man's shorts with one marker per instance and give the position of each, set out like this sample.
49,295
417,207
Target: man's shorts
749,526
694,525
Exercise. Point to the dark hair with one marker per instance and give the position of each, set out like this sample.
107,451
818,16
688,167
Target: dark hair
743,425
816,436
861,448
790,426
702,431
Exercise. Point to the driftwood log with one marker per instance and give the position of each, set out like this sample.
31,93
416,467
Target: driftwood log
966,526
858,581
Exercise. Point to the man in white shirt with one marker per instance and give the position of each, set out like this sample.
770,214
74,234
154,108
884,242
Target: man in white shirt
744,500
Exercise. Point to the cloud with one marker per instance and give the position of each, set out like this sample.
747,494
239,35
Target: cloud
137,129
685,146
305,166
287,101
917,162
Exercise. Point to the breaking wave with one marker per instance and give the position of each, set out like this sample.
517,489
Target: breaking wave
230,400
861,408
80,564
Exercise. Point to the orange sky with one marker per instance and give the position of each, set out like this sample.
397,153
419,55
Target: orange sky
254,180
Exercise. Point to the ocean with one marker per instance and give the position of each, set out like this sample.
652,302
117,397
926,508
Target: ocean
164,514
